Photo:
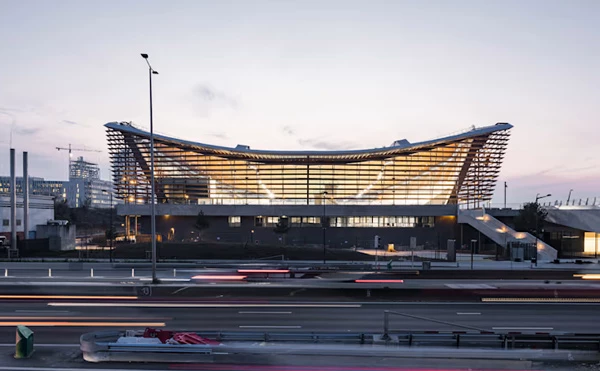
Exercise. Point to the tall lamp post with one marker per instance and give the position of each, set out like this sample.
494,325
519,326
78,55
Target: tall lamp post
537,198
151,72
112,234
324,227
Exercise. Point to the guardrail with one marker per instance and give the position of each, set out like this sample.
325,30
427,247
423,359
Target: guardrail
101,346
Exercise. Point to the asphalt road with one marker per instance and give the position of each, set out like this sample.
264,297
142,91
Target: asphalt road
58,323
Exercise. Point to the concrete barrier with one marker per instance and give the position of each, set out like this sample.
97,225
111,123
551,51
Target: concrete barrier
104,347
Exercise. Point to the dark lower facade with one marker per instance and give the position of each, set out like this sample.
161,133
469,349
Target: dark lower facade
353,227
337,226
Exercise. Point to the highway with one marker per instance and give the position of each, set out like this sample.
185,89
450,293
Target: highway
58,322
70,318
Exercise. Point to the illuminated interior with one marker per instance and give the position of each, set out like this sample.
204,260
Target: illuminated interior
591,242
461,169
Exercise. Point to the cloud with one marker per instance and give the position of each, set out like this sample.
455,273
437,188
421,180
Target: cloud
330,146
69,122
219,135
210,95
7,112
288,130
27,131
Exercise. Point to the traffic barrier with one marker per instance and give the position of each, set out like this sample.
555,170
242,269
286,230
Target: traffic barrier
105,346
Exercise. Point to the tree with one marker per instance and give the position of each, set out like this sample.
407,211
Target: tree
282,228
62,211
531,218
201,224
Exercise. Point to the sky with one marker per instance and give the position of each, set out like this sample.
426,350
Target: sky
308,75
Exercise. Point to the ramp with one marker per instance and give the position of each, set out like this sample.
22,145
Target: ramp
502,234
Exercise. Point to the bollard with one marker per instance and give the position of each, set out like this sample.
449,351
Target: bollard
24,343
92,272
174,272
5,272
132,272
49,272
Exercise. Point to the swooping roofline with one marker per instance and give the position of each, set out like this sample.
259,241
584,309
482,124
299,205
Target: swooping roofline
124,127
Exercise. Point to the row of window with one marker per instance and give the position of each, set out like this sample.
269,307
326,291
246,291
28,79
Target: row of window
6,222
342,221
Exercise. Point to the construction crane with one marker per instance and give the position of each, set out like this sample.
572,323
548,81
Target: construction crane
70,149
75,149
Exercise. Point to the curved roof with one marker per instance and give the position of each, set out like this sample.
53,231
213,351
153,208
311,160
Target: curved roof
245,152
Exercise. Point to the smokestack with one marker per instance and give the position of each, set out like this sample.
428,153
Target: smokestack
13,201
25,197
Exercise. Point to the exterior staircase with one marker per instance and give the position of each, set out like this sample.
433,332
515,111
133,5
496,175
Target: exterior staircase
502,234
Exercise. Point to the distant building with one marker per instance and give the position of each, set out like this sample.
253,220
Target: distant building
37,186
85,188
41,209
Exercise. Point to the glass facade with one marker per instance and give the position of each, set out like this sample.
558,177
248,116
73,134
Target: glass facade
454,170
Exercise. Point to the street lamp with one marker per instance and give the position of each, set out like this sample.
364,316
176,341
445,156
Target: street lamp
537,198
324,227
151,72
111,224
473,242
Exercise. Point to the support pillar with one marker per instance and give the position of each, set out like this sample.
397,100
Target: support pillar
13,201
25,186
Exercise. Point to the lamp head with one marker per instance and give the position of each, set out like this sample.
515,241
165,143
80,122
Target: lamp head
144,55
154,72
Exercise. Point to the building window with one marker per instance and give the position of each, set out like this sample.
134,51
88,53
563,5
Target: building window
296,221
272,221
258,221
5,222
235,221
18,222
311,221
381,221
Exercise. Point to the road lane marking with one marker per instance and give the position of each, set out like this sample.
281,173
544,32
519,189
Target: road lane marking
468,314
257,312
199,305
267,326
42,311
470,286
523,328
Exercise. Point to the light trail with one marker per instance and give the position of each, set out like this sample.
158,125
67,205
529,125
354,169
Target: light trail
201,305
68,297
589,276
219,278
7,318
81,324
541,300
379,281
